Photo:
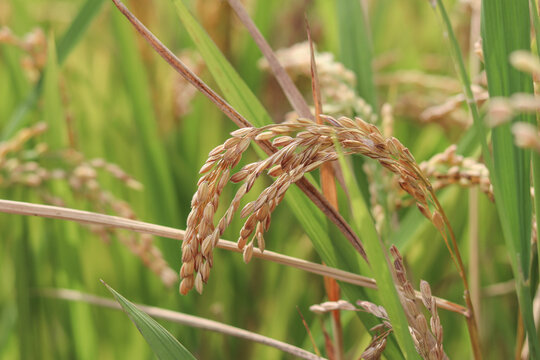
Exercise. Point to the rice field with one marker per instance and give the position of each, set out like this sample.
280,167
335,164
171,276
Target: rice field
269,179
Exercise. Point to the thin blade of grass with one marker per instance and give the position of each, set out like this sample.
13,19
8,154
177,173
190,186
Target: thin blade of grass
71,37
363,222
264,14
308,331
77,28
163,344
232,86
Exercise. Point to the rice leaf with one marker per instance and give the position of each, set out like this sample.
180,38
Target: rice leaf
163,344
504,31
506,28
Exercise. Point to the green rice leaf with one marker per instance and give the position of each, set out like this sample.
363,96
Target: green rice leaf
163,344
505,29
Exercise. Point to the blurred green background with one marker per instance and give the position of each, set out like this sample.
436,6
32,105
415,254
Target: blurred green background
113,98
